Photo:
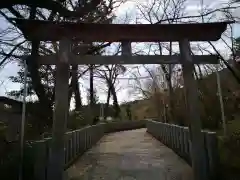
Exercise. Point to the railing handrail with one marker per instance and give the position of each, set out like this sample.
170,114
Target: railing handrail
203,130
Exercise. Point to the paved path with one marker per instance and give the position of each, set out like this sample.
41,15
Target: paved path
129,155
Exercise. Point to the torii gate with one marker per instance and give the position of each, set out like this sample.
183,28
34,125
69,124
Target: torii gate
124,33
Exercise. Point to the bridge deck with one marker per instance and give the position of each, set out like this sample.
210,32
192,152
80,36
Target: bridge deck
129,155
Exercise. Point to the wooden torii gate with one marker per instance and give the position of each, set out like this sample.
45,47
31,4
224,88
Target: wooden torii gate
124,33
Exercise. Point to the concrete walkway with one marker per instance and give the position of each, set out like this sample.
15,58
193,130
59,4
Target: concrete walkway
129,155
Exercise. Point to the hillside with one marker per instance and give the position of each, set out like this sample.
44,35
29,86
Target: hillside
153,107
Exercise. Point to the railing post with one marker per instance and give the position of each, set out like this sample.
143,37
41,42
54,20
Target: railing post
86,140
186,143
181,137
41,161
70,147
164,134
89,138
178,139
81,141
65,151
211,143
160,129
78,141
171,135
74,144
168,135
175,136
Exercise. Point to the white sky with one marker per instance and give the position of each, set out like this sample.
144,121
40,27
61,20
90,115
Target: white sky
124,94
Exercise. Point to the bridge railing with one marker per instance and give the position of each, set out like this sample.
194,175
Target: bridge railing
76,143
178,138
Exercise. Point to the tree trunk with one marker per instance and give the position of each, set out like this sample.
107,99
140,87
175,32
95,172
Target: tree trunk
171,103
169,82
91,91
115,100
107,104
200,72
75,86
92,98
168,77
170,91
38,87
43,97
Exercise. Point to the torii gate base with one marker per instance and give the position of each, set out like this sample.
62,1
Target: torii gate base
44,30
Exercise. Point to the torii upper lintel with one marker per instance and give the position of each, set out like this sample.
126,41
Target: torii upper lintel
92,32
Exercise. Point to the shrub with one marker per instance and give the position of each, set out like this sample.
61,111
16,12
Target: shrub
229,148
233,143
76,120
9,160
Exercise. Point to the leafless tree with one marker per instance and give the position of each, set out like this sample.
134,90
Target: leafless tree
13,45
174,11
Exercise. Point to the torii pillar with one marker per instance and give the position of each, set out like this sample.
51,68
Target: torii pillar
191,89
61,111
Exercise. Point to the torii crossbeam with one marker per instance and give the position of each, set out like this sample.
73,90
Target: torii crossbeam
66,31
140,59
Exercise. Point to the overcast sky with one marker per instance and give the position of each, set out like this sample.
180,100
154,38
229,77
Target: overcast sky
192,7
